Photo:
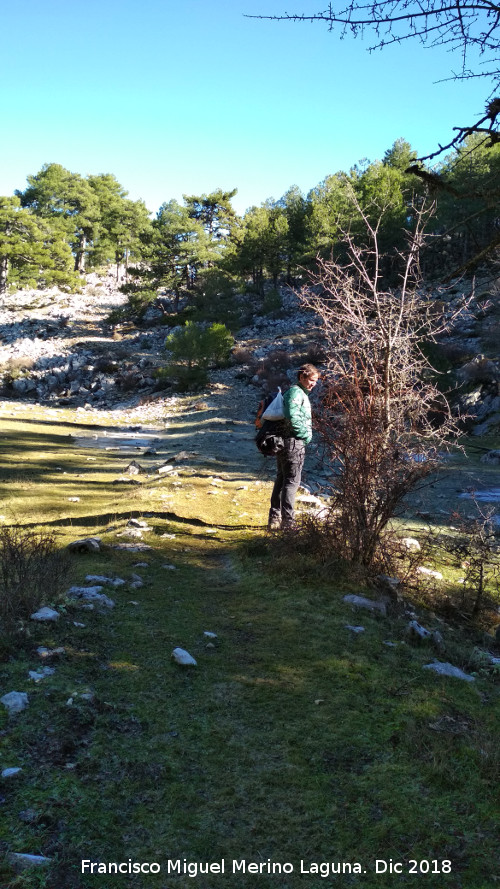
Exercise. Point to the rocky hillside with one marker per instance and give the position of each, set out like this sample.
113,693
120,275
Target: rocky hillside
58,349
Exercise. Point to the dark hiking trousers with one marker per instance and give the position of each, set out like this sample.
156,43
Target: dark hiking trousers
289,462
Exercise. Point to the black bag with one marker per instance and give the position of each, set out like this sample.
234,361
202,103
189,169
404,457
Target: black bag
269,441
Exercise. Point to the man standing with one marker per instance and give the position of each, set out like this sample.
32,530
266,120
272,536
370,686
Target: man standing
297,434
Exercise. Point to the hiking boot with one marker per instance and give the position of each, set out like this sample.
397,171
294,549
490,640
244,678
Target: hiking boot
274,523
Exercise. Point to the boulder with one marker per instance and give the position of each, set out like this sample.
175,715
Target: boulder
445,669
182,657
45,614
368,604
86,545
15,701
90,594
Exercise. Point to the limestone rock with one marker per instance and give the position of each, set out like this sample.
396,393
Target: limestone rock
428,572
368,604
134,468
21,861
445,669
412,544
100,579
417,633
46,654
38,675
91,594
45,614
86,545
182,657
15,701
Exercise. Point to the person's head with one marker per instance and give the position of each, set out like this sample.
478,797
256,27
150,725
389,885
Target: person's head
308,376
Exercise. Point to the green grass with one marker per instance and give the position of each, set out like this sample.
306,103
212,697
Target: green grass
293,739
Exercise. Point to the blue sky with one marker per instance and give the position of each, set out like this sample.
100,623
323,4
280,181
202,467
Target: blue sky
185,96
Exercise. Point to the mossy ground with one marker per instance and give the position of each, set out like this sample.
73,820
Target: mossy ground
293,739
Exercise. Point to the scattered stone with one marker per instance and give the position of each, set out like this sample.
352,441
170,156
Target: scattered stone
412,544
183,657
74,499
369,604
164,469
131,532
210,635
77,623
417,633
138,523
38,675
45,614
9,773
49,653
86,545
429,572
134,468
21,861
354,629
170,567
444,669
184,455
98,578
15,701
91,594
132,547
136,578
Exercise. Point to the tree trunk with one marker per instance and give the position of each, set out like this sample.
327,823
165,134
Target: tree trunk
80,255
4,267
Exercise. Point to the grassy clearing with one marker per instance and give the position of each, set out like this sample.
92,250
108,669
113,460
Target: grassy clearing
294,739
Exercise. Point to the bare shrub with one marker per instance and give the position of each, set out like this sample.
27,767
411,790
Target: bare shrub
274,363
378,403
242,356
315,354
32,570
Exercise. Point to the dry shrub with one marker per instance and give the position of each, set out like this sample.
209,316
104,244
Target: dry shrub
315,354
129,381
32,571
377,401
242,356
